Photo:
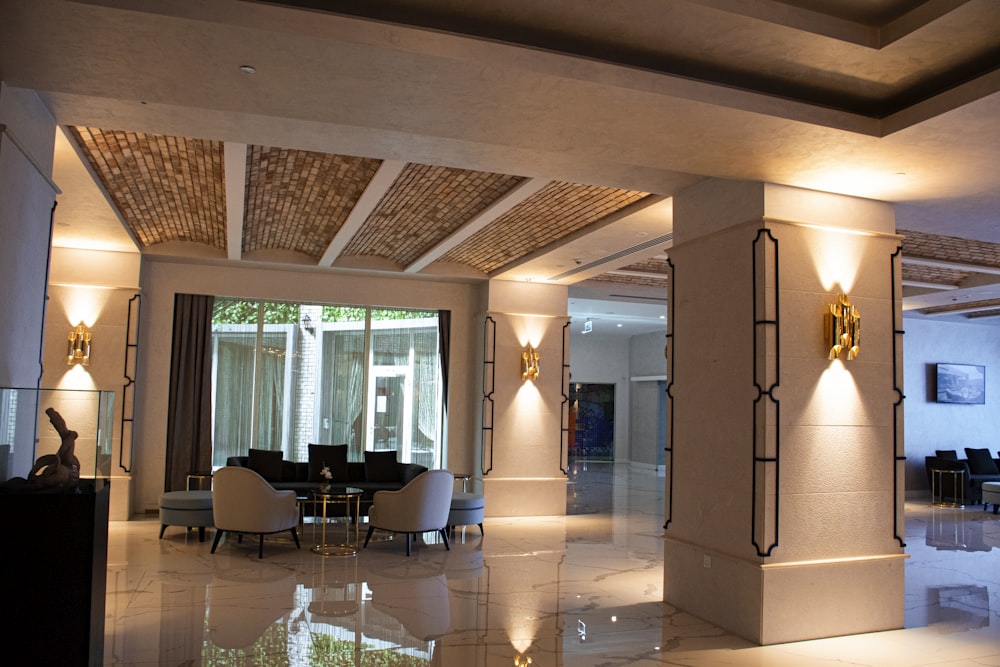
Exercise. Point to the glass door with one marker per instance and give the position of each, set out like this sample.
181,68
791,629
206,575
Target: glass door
390,410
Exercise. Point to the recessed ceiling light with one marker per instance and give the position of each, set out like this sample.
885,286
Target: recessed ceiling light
248,69
620,325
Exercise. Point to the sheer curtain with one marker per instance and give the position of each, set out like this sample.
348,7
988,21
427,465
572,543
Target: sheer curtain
189,405
235,352
271,393
343,390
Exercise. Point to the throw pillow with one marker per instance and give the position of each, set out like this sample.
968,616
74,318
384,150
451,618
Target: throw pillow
980,462
333,457
949,454
381,467
265,463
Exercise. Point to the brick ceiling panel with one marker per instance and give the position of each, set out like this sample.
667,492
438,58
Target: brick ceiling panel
555,211
933,274
299,200
959,307
166,188
651,265
950,249
646,281
424,206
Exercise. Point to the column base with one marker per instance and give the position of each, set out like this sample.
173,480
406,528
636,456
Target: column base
544,496
785,602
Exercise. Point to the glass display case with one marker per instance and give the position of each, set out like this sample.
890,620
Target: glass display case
60,520
27,430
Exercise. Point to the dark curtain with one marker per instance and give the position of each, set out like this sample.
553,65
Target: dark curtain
189,407
444,347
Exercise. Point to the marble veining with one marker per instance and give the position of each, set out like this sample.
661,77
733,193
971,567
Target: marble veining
584,589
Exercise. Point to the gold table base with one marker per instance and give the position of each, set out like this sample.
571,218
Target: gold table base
325,548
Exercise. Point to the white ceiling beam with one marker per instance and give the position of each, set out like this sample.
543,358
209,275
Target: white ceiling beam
961,311
234,159
515,196
639,274
923,285
953,266
383,179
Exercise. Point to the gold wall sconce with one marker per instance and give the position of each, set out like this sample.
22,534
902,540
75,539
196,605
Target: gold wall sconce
78,346
522,661
529,364
843,328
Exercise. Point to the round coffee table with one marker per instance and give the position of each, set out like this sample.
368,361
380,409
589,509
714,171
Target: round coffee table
339,494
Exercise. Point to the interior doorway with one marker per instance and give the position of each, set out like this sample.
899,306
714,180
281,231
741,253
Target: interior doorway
592,420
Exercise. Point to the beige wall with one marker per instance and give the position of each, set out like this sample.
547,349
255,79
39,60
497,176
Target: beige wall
162,278
26,198
93,288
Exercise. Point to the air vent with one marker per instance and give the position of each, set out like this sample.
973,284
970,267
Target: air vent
633,296
659,240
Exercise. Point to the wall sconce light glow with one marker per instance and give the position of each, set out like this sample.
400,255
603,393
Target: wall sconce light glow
843,328
837,387
835,254
76,378
84,304
78,346
529,364
521,661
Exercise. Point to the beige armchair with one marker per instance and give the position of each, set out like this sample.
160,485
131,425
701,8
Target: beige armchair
244,502
420,506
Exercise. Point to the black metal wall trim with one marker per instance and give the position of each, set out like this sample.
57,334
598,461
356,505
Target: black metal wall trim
489,369
128,389
668,353
765,455
564,406
45,300
898,460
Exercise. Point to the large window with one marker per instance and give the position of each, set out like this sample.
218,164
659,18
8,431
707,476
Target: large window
288,374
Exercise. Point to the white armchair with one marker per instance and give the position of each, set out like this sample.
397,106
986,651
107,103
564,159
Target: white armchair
244,502
420,506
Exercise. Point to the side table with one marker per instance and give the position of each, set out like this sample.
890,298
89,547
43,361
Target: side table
957,487
200,477
339,494
464,478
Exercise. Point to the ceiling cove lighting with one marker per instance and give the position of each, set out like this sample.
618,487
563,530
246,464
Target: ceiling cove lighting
78,346
529,364
842,323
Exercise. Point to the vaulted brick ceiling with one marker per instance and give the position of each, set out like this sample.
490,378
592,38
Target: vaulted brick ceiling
509,139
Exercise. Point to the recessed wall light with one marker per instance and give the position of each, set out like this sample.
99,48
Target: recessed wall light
248,69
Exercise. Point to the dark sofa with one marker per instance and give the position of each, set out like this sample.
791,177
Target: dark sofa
379,471
978,467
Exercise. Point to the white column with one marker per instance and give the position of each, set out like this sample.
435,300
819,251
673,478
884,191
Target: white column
522,461
782,513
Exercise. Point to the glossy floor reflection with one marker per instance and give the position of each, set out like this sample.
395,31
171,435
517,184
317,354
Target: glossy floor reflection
579,590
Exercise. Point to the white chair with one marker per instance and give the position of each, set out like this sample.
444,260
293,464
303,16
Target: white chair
420,506
244,502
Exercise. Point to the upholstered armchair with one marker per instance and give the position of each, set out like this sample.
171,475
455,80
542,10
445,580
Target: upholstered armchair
420,506
244,502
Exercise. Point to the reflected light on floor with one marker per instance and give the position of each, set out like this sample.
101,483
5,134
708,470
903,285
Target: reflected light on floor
541,577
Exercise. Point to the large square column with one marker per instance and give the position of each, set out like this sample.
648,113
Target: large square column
784,487
522,455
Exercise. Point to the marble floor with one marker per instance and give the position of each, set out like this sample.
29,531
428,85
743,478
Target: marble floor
580,590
